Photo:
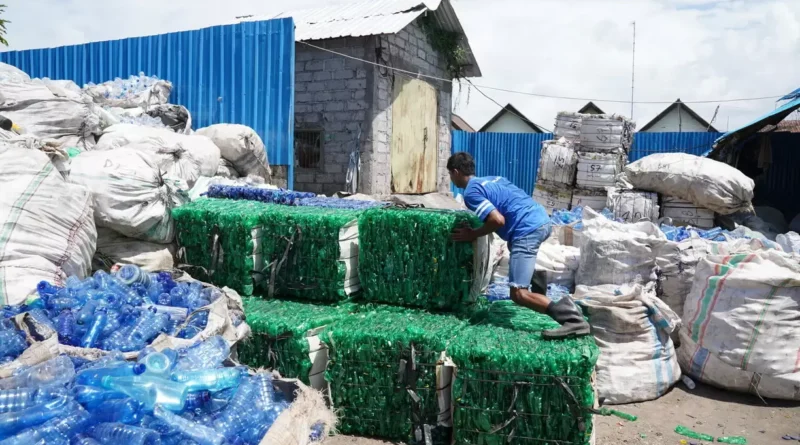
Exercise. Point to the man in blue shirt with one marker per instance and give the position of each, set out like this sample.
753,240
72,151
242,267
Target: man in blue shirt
524,224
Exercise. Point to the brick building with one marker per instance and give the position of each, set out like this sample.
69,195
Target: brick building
347,102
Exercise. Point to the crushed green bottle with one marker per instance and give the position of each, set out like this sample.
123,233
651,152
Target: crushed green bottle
735,440
406,257
683,431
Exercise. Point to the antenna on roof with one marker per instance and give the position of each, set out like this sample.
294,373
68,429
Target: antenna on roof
633,65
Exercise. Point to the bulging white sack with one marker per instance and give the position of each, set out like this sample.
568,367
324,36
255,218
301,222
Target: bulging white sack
745,309
10,73
704,182
113,248
131,196
558,263
242,147
186,157
48,230
617,253
632,328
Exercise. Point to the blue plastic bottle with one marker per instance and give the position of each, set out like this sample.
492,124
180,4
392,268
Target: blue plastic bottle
95,376
45,289
53,432
130,274
209,379
58,303
239,415
14,422
81,439
65,327
118,433
127,411
93,396
208,354
159,364
12,343
201,434
56,371
264,391
40,316
150,391
197,400
21,398
90,339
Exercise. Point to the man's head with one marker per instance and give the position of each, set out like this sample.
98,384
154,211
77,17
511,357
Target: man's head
461,167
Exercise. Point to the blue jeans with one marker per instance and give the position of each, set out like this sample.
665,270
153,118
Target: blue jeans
522,262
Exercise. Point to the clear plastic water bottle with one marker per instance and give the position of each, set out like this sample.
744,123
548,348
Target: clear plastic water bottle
21,398
131,273
239,415
56,371
12,343
95,376
159,364
208,354
150,391
118,433
16,421
82,439
93,396
264,391
92,336
127,411
210,379
201,434
41,317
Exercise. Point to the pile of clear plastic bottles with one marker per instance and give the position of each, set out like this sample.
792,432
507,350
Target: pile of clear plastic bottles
128,88
275,196
121,312
143,119
574,217
171,397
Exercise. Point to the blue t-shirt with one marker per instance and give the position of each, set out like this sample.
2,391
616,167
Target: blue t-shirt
523,215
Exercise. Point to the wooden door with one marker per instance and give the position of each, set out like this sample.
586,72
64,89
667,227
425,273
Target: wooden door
415,142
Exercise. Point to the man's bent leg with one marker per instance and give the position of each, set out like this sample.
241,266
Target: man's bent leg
521,268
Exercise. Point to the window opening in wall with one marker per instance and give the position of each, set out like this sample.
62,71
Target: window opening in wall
308,148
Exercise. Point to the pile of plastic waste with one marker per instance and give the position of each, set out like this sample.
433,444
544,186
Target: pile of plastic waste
182,396
276,196
499,290
574,217
681,233
126,89
120,312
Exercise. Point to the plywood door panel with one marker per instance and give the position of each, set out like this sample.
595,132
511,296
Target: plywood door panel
415,141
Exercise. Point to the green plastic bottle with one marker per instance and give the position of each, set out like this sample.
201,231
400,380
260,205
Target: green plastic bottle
683,431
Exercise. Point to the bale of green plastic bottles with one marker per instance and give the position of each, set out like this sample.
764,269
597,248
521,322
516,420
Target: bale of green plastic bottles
308,253
513,386
280,334
376,355
406,257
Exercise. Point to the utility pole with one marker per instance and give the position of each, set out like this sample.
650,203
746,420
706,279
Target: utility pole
633,65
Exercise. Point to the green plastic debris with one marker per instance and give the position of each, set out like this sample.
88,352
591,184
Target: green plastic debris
509,381
239,244
406,257
683,431
736,440
643,435
280,334
620,414
72,152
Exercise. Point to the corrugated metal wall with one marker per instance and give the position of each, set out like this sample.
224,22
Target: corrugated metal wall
781,188
241,73
516,155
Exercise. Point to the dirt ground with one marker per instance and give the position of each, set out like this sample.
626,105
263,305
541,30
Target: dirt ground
704,409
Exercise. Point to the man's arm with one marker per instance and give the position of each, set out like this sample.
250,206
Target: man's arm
492,222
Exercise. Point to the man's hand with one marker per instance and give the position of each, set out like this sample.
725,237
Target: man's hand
464,234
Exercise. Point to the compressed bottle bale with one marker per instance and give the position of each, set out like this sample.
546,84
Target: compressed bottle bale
130,194
606,133
281,334
633,205
552,197
684,213
313,250
595,199
599,170
557,163
368,392
568,125
407,258
507,386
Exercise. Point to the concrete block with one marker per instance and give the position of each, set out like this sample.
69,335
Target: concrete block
343,95
311,118
333,167
343,116
314,65
322,75
359,115
299,87
304,177
323,96
334,126
303,56
361,74
336,64
316,86
325,178
333,85
356,84
317,108
303,97
344,74
355,105
302,77
360,94
334,106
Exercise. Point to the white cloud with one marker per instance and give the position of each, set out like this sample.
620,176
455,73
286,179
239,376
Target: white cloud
692,49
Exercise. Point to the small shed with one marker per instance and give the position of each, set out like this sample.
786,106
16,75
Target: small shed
510,120
373,85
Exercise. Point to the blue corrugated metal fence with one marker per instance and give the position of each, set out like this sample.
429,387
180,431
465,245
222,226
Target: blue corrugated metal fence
516,155
241,73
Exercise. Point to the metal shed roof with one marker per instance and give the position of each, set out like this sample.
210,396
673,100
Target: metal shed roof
372,17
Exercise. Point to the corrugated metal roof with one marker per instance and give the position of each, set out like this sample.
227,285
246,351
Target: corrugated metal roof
372,17
786,126
732,138
242,73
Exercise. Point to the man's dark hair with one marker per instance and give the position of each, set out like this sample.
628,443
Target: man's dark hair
463,162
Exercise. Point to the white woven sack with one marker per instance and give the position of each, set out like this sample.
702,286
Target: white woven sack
745,309
184,156
42,112
48,226
633,205
226,169
703,365
558,263
114,248
552,197
617,253
704,182
10,73
557,163
242,147
632,328
130,194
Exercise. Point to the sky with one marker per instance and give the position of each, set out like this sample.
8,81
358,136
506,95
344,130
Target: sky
695,50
